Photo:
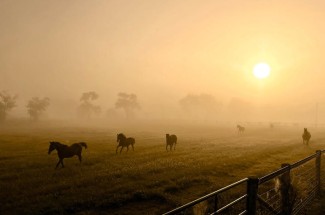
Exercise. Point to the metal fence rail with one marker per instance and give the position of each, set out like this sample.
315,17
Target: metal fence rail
214,194
287,190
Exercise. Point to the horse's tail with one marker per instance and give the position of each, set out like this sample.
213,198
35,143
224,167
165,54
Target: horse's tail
132,141
83,144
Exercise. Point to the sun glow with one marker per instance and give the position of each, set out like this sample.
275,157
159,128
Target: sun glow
261,70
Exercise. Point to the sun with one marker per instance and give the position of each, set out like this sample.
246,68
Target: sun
261,70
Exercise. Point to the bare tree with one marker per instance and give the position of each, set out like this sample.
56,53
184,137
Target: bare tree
87,108
7,102
127,102
37,106
200,106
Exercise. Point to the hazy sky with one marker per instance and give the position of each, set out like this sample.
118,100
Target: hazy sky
163,50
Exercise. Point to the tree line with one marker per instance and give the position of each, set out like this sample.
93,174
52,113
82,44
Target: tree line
193,105
36,106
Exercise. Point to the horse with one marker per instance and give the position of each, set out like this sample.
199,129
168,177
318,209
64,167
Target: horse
171,141
306,136
123,141
241,129
65,151
271,125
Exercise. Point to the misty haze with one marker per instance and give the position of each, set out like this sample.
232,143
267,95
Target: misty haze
145,106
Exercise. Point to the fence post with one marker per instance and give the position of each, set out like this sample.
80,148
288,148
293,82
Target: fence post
318,162
215,203
286,191
252,188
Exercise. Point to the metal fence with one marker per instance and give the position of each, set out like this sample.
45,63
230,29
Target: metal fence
285,191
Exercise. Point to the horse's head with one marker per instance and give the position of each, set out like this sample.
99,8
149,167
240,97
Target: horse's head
305,129
120,136
52,146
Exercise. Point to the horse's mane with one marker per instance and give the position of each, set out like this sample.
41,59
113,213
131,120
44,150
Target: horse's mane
121,135
57,143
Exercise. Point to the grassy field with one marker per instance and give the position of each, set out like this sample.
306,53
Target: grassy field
146,181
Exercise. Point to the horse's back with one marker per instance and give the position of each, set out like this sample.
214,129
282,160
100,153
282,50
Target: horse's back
75,145
306,135
75,148
130,140
173,138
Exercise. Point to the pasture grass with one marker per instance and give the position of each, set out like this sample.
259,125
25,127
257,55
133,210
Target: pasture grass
146,181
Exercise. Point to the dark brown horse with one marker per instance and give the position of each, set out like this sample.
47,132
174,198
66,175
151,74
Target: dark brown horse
306,136
240,128
65,151
171,141
123,141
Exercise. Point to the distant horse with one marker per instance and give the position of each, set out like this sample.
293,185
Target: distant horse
241,129
306,136
171,141
124,142
65,151
271,125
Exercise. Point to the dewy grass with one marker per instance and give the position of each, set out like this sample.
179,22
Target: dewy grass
146,181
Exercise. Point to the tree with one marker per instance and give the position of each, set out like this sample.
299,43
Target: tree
127,102
200,106
7,102
86,108
37,106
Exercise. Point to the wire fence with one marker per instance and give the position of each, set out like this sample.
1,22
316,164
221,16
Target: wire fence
286,191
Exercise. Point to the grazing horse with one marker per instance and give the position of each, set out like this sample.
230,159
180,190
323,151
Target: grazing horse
241,129
65,151
171,141
306,136
124,142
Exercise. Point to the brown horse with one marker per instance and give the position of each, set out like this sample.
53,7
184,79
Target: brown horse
306,136
123,141
241,129
171,141
65,151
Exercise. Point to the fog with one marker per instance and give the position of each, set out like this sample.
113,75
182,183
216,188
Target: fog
183,60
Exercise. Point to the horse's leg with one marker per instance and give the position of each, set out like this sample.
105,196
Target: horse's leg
127,148
79,156
121,149
132,147
62,163
117,148
58,164
174,146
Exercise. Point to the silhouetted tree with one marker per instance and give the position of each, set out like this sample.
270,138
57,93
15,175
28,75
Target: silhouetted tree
203,105
128,102
7,102
86,108
37,106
